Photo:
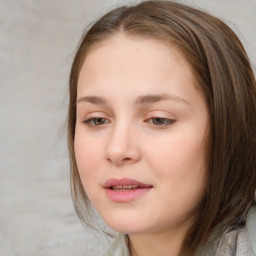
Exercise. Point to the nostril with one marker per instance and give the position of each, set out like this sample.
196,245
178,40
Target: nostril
127,159
118,155
119,161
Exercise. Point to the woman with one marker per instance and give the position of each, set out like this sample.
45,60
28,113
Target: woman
161,129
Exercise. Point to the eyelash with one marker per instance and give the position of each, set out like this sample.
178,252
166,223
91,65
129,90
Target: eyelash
166,121
89,120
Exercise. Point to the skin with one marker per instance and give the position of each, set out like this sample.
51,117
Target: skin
129,141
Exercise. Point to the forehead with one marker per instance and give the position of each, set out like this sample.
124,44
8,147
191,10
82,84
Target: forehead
134,56
134,43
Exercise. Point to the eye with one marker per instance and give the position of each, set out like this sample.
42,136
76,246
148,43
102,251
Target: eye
96,121
159,121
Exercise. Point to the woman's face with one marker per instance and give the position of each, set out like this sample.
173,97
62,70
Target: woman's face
140,136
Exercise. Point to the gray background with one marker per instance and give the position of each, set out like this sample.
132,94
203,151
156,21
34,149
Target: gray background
37,44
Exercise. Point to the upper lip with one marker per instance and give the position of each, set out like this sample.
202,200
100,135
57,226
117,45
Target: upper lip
113,182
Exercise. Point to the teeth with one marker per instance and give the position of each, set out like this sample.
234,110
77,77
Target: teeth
124,188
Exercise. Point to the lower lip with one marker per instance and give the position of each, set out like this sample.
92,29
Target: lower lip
126,196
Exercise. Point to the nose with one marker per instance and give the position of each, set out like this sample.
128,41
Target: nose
123,146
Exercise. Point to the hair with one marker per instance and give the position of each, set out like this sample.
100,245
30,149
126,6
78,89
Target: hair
225,77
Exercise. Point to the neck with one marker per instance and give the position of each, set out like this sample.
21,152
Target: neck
165,243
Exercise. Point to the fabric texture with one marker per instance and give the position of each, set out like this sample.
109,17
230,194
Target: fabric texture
119,247
235,243
240,242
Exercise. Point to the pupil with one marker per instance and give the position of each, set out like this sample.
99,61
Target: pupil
158,121
98,121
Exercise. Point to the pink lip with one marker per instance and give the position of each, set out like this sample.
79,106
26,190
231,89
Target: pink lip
124,182
125,196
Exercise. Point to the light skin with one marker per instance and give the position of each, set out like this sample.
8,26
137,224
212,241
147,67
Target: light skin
140,115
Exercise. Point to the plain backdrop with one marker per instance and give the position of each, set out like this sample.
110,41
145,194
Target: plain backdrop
37,43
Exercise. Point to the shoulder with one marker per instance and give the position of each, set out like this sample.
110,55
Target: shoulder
119,247
251,227
240,242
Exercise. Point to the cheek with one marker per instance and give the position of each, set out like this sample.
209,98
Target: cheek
179,158
88,157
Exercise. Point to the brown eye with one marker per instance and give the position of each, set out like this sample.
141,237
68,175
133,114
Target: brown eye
161,121
158,121
98,121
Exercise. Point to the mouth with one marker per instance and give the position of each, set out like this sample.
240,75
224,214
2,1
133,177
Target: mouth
125,190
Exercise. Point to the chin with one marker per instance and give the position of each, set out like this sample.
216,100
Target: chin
125,225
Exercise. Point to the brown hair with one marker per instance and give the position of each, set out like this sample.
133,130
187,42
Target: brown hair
225,77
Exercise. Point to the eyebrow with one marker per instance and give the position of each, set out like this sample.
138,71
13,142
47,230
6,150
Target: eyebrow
92,99
147,99
144,99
